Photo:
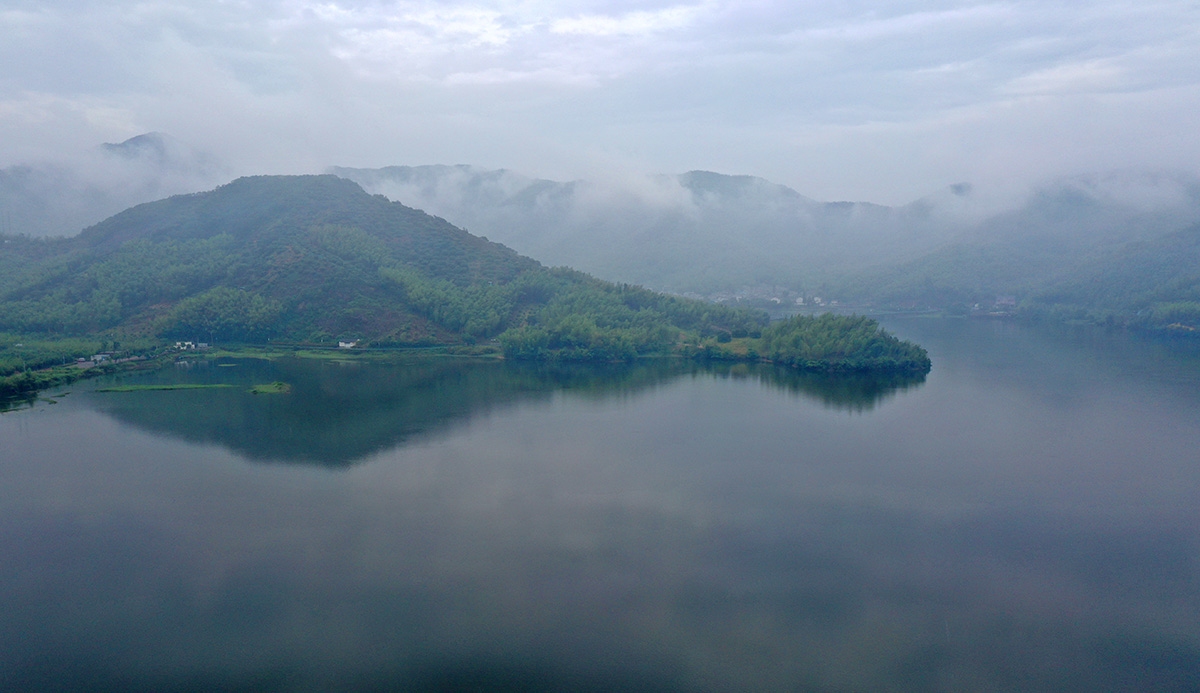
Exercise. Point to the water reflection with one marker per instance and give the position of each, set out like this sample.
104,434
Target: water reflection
341,412
17,403
1025,521
853,392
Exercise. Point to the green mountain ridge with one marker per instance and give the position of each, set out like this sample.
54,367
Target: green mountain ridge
275,253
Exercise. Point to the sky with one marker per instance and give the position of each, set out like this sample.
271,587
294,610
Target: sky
840,99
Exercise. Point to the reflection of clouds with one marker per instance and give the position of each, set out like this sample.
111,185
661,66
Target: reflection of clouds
480,554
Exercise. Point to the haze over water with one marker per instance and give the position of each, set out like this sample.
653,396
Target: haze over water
1025,519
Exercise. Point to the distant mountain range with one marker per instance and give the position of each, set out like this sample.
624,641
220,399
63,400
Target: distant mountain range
740,238
737,239
698,232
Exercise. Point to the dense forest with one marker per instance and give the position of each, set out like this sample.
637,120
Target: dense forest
316,260
1151,284
1148,284
839,343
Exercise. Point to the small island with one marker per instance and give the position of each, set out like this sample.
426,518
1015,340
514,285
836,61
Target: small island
832,344
275,388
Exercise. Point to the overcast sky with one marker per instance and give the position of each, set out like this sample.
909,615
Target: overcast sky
840,99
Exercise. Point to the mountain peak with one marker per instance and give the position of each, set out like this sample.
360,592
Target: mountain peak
151,146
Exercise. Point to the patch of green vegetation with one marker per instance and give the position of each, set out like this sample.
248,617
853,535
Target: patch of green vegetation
163,386
31,353
29,363
275,388
839,343
25,384
824,343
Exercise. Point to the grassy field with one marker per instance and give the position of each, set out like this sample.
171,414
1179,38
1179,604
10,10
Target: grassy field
166,386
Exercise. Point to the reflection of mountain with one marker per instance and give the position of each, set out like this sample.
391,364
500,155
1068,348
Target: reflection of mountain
339,413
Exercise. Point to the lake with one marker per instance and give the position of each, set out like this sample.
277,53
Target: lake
1027,517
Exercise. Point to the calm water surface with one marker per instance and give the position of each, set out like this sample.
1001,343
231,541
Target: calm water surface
1026,518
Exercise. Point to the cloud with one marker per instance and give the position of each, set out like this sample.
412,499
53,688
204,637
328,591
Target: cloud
1076,77
880,100
920,23
641,23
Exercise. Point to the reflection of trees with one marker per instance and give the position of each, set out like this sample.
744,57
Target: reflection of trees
856,391
338,413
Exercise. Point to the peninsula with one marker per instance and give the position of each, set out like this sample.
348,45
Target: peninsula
315,260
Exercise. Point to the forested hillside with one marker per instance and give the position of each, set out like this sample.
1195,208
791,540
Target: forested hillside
1075,252
1153,283
268,257
316,260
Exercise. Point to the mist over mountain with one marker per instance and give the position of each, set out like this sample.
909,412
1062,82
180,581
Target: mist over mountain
60,199
698,232
726,237
1063,231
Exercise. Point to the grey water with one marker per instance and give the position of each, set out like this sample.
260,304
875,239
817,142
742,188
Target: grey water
1027,517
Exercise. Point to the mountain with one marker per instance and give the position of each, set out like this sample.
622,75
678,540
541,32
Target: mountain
315,258
1154,283
1057,250
732,238
288,248
698,232
60,199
